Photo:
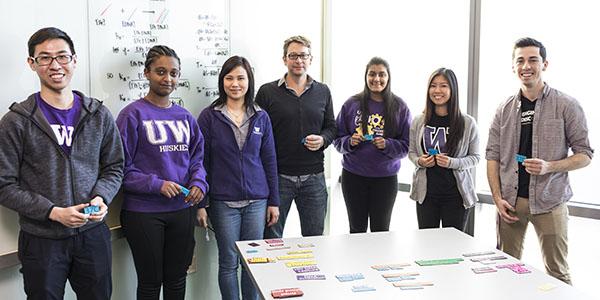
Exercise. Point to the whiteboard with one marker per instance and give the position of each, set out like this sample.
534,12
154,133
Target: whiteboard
197,30
122,32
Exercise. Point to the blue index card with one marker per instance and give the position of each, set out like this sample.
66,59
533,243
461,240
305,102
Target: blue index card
520,158
368,137
91,209
432,151
184,190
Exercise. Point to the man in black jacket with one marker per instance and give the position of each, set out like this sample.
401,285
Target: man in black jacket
301,112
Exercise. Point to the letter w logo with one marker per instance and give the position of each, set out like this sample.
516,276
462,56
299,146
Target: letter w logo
180,130
64,134
434,137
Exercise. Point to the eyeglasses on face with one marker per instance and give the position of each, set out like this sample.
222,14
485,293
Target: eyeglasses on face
294,56
45,60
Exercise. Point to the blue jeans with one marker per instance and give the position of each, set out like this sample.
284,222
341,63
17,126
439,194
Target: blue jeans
231,225
311,201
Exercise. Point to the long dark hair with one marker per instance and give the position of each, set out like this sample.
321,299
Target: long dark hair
230,64
390,103
457,123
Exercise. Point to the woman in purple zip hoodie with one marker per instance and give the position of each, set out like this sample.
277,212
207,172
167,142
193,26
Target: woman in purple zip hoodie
242,171
164,180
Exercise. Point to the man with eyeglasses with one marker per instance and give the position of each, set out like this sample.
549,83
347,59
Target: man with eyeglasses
528,160
301,112
61,153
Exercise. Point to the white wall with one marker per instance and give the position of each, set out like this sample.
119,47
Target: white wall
258,29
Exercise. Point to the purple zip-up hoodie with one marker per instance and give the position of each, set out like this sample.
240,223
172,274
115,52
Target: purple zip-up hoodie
365,159
159,144
234,174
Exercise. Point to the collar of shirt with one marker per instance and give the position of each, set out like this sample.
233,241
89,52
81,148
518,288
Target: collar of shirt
249,112
309,82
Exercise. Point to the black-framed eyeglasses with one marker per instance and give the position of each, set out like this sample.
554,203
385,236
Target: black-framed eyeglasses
45,60
302,56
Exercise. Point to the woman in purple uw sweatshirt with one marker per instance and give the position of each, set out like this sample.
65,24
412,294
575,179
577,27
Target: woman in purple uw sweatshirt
163,148
242,171
373,135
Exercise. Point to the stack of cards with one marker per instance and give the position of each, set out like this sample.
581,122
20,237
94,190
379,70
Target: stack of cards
362,288
488,260
435,262
260,260
388,267
306,269
472,254
416,285
184,190
295,256
349,277
300,263
287,293
91,209
483,270
310,277
432,151
518,268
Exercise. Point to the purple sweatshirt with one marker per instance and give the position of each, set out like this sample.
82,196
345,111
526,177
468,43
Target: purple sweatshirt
159,144
365,159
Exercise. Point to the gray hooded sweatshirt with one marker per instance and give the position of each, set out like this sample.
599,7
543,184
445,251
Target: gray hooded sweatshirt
36,174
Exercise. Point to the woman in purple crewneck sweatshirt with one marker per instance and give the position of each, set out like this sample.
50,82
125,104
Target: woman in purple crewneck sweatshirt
373,129
164,180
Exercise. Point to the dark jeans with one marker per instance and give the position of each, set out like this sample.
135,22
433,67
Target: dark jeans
311,202
369,199
451,212
84,259
162,245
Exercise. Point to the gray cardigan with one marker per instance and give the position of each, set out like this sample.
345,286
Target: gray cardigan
462,165
36,174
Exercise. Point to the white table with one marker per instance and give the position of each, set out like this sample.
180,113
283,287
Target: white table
356,253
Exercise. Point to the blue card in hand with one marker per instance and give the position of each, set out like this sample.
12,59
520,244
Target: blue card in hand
432,151
521,158
184,190
91,209
368,137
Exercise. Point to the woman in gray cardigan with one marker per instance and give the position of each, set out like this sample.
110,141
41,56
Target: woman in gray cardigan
444,146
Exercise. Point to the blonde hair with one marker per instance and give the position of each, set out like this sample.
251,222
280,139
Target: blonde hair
296,39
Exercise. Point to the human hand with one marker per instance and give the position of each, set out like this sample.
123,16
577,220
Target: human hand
442,160
356,139
504,209
536,166
202,217
98,216
71,216
195,196
272,215
379,142
170,189
426,161
313,142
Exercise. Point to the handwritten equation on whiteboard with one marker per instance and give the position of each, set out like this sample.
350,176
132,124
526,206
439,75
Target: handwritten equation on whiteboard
122,32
